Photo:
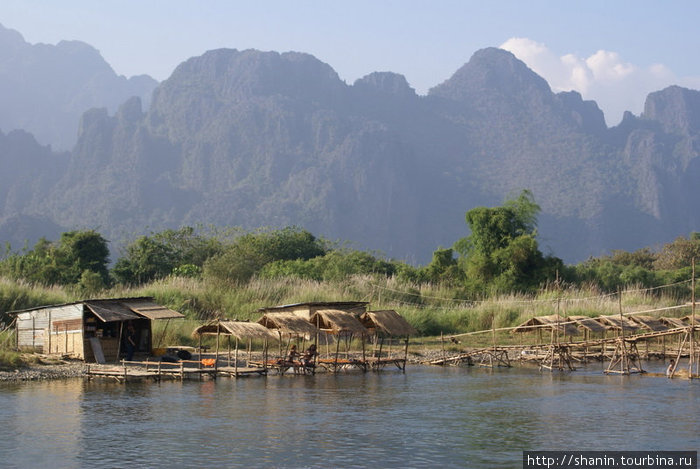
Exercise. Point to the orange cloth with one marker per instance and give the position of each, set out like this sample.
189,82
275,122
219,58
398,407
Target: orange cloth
208,361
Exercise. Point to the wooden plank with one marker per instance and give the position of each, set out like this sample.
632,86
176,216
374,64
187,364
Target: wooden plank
97,350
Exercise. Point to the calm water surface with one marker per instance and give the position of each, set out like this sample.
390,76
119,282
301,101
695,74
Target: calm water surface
453,417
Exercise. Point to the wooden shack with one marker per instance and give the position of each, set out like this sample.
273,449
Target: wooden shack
91,330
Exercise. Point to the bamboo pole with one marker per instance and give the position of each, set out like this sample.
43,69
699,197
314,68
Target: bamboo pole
235,362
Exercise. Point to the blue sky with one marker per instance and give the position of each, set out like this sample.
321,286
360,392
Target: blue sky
614,52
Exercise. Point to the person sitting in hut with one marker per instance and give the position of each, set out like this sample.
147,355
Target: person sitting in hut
309,358
293,354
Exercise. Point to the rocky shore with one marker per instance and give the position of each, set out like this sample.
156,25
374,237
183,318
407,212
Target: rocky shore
67,369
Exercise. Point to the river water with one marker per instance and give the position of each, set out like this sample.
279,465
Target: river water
427,417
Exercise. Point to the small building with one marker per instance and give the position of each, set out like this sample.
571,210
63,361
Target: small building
90,330
307,310
552,324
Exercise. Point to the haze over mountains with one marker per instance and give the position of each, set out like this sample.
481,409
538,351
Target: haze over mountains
256,138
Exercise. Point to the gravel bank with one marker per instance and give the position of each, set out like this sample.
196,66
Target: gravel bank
41,372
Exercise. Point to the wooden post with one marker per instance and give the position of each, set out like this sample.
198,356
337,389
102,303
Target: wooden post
235,362
691,357
216,356
49,330
405,354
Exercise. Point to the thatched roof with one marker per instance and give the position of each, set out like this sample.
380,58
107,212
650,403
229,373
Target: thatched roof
552,322
288,324
338,322
239,329
388,321
689,319
617,323
672,323
650,323
588,323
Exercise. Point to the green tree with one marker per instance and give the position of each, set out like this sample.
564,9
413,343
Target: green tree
164,253
502,252
247,255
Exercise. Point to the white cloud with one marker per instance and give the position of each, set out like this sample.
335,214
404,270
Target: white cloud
604,76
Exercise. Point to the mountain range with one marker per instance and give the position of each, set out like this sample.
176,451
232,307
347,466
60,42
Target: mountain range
250,138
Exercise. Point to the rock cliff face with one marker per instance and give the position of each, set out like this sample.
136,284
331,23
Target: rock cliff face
256,138
45,88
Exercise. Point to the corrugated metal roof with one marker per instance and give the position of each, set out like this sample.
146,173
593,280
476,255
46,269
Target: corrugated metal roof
152,310
111,311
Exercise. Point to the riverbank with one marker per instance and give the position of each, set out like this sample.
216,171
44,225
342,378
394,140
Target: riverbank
59,370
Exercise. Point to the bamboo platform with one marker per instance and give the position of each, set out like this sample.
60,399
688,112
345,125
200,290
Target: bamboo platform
158,370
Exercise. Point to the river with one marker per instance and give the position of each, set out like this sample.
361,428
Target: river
427,417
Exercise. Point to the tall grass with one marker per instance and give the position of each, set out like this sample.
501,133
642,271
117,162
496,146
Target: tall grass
431,308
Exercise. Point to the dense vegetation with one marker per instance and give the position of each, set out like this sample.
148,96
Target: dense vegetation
496,276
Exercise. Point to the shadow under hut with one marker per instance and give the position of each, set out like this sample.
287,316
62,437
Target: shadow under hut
387,324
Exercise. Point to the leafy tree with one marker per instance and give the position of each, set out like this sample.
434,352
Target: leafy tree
62,262
501,252
161,254
678,254
248,254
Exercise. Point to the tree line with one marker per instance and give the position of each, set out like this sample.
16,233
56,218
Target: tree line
500,255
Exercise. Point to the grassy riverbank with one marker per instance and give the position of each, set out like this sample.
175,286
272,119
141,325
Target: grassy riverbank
433,309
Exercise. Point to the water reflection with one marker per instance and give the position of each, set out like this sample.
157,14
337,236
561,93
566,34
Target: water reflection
455,417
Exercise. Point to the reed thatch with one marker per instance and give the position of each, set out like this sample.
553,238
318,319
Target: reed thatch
649,323
672,323
338,322
617,323
687,320
552,322
239,329
388,322
588,323
289,324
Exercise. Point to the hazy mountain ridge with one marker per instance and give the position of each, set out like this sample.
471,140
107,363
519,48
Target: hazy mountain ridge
260,138
45,88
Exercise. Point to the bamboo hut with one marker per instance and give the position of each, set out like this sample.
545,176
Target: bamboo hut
588,325
387,323
618,323
342,325
306,310
241,331
290,326
649,323
90,330
554,324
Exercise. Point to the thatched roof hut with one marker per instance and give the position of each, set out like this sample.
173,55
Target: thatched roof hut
288,324
617,323
388,322
239,329
552,322
306,310
338,322
588,323
649,323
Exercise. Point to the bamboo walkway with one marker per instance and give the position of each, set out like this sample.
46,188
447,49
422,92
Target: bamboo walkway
562,355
